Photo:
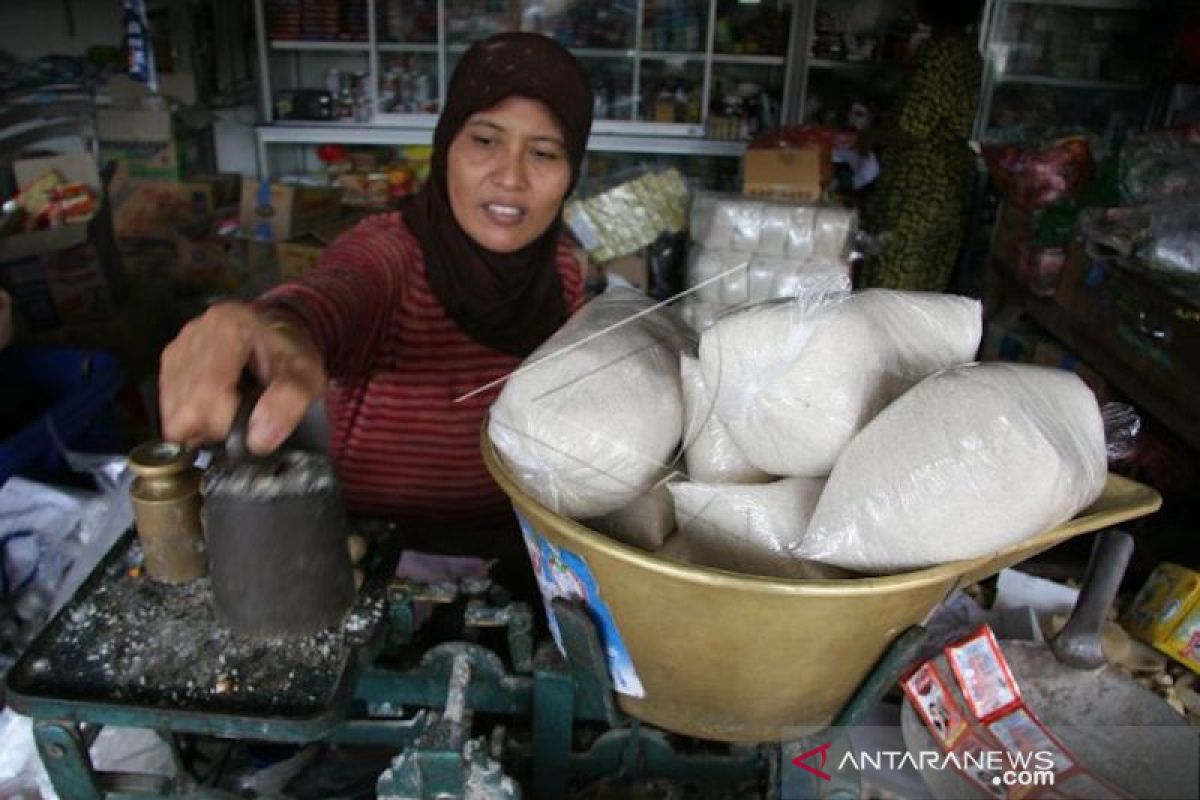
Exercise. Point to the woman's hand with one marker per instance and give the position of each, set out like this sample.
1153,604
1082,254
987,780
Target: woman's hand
199,373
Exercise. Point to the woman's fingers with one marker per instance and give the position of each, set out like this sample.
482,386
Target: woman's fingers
198,375
293,375
201,368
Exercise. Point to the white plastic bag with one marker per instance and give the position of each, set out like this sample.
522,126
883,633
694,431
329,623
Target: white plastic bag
709,453
727,279
594,415
968,462
752,529
644,523
794,381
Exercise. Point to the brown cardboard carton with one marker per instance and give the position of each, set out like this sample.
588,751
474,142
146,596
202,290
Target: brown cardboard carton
154,210
273,212
633,268
204,259
154,143
786,173
297,257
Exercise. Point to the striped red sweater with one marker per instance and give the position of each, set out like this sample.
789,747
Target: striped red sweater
396,362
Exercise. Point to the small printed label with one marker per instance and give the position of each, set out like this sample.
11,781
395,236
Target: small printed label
1022,733
931,698
561,573
983,675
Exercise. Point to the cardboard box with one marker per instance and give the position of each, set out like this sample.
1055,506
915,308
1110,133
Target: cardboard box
633,269
154,210
66,273
274,212
125,92
786,173
1162,602
154,143
1183,642
204,259
297,257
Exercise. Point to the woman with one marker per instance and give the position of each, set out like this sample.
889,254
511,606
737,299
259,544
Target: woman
924,189
410,311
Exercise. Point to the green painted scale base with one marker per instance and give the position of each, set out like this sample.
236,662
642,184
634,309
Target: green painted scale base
397,689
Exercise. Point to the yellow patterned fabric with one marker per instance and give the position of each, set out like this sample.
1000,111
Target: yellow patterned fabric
924,189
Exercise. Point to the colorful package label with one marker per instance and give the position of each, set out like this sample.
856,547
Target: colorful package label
932,699
983,675
561,573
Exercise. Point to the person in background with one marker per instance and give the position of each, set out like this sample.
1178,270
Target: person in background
409,311
924,192
6,320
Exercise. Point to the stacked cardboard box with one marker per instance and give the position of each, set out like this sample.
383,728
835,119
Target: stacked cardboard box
68,272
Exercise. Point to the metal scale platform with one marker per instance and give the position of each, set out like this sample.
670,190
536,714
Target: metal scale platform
131,652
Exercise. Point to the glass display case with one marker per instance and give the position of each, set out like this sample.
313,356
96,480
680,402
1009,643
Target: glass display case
1059,66
857,52
670,77
693,77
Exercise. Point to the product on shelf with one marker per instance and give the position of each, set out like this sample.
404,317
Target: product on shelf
630,215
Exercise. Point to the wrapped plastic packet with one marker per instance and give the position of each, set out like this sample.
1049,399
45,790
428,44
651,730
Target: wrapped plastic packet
644,523
750,529
698,314
630,215
795,380
772,279
725,278
1173,241
970,461
771,228
801,242
1122,425
773,233
594,415
833,230
708,451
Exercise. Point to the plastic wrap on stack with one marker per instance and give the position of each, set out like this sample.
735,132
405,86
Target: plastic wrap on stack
795,380
727,278
970,461
747,251
630,215
782,230
593,417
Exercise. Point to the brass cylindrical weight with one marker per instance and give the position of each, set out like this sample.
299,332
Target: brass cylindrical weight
166,506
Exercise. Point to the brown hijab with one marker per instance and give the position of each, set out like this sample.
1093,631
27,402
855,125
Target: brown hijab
510,302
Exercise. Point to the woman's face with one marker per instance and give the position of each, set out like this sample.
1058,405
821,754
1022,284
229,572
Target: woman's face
507,173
